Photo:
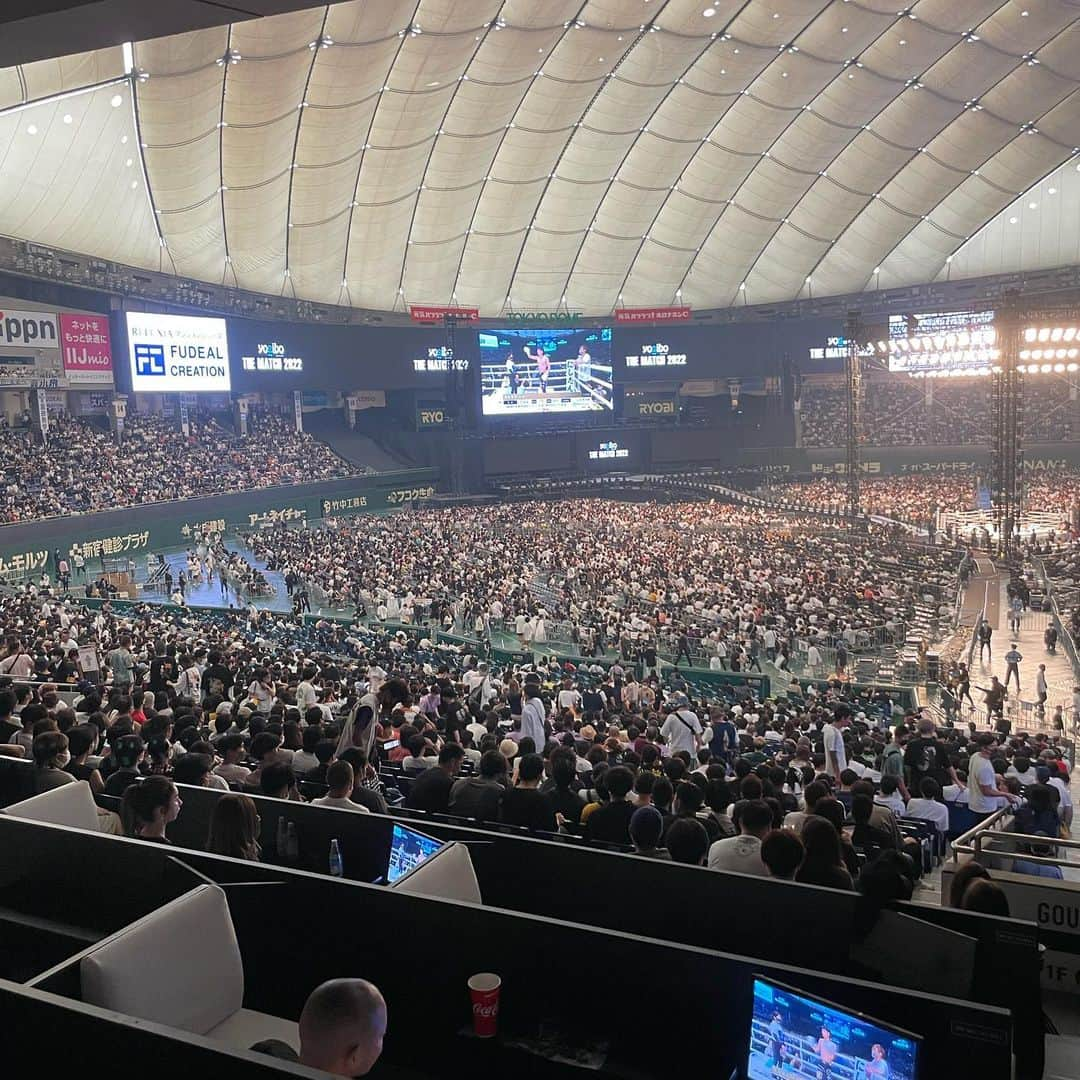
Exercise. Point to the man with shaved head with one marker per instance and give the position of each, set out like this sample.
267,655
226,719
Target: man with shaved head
341,1029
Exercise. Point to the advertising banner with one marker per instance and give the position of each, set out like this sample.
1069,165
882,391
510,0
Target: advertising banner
437,314
177,353
650,406
28,329
431,416
652,315
86,347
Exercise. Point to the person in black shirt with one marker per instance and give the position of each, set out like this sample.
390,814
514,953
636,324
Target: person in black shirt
560,789
82,739
163,668
217,678
926,758
610,822
524,804
128,752
8,727
481,796
365,779
431,789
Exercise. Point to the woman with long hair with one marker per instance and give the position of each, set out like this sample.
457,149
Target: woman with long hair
823,863
234,828
148,807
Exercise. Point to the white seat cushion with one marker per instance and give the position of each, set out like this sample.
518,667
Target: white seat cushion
178,966
245,1028
70,804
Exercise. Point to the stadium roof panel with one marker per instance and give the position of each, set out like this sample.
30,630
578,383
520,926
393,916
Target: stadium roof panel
379,154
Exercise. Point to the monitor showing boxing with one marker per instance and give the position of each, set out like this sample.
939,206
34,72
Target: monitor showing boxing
408,849
795,1035
545,371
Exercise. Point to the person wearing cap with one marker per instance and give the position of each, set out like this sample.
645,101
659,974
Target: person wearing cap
682,729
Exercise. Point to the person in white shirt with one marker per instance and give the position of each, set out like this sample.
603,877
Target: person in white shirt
983,794
532,717
928,805
890,796
742,854
305,691
835,752
568,697
682,730
1023,770
339,779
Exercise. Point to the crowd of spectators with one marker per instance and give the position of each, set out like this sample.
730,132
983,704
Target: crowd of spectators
721,584
896,412
85,468
819,787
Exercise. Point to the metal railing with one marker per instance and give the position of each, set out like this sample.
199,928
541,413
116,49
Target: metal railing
993,831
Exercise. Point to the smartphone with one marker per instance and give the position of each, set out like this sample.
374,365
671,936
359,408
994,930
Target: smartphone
393,744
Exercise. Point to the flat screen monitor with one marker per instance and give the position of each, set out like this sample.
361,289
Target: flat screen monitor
177,354
408,849
795,1035
529,372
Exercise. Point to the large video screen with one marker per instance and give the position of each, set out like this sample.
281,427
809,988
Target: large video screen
177,354
545,371
799,1036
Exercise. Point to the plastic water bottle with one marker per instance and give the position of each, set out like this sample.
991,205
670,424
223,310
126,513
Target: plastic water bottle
281,839
337,867
292,842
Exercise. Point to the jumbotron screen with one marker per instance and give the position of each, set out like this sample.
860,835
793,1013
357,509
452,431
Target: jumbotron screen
525,372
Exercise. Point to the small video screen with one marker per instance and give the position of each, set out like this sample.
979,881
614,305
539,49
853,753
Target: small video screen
526,372
793,1035
408,849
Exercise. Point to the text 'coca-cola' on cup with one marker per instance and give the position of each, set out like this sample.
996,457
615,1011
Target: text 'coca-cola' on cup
484,990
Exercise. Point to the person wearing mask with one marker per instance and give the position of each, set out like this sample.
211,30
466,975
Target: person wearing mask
524,804
742,853
234,828
149,807
51,756
339,779
430,791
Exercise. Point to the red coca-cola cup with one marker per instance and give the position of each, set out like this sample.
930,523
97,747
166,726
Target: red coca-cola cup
484,991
